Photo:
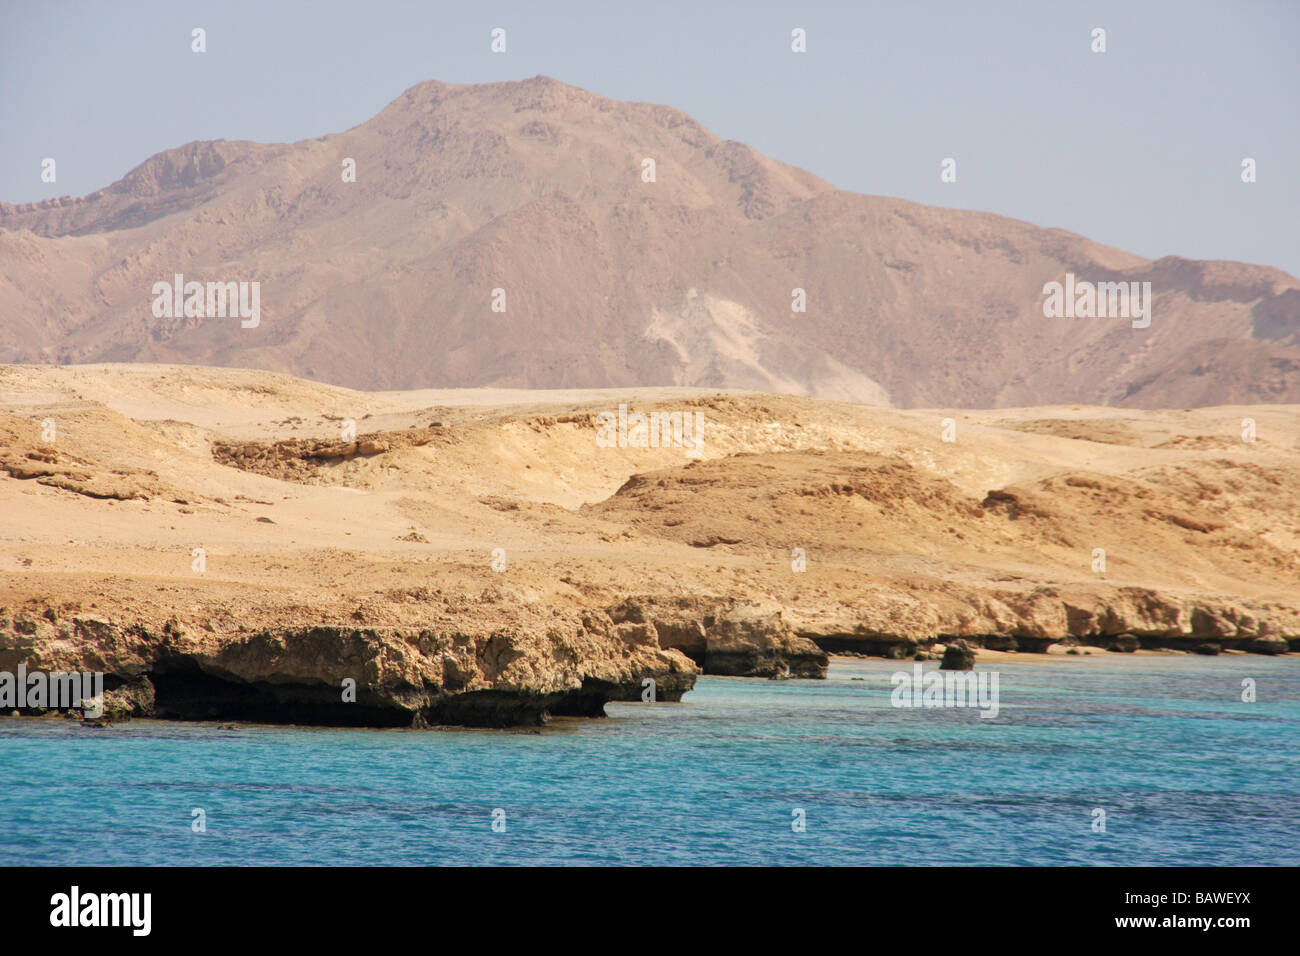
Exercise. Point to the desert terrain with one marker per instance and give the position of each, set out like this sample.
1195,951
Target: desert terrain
534,195
231,543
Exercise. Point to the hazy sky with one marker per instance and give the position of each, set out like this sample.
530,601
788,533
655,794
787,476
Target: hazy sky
1139,147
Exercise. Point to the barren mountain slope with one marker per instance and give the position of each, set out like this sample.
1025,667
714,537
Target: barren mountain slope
536,188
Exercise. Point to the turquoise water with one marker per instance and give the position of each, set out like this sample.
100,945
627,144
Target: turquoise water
1186,772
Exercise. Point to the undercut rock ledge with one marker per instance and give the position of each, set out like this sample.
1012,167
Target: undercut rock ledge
331,675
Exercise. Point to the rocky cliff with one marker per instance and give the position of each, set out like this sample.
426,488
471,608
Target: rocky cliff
344,675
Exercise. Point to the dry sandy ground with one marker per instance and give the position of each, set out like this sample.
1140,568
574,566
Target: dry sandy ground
905,536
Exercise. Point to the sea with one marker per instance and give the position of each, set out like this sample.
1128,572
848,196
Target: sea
1105,761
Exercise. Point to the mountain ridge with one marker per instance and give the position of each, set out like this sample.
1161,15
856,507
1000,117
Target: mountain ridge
535,187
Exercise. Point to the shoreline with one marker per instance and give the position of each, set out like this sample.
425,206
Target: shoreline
556,722
1066,652
984,656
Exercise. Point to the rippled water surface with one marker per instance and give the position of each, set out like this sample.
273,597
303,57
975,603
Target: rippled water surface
1186,772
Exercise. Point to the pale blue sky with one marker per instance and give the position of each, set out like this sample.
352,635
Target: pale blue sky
1139,147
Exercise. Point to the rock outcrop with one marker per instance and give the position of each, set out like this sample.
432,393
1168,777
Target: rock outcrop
727,637
354,676
958,656
1119,619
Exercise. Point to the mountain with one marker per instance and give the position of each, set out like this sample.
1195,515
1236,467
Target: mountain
222,545
536,188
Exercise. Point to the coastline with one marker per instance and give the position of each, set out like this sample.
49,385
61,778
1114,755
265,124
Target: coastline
229,545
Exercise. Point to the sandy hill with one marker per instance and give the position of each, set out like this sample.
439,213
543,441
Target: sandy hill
481,546
536,188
